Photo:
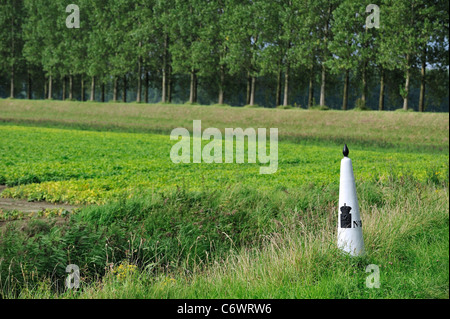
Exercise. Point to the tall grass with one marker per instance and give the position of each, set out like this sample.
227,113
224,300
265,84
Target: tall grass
291,253
371,128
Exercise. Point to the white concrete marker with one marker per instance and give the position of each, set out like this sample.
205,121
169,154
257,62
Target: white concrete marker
350,238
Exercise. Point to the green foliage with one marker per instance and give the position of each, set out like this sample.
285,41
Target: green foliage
348,21
218,41
11,43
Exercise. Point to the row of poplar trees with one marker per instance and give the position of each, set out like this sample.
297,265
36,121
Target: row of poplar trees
123,41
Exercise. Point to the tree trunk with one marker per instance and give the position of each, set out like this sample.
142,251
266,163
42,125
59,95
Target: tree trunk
325,40
13,53
115,90
164,86
92,89
29,88
147,83
322,86
71,87
64,88
364,84
408,69
45,87
139,74
103,92
139,87
193,88
423,79
278,93
408,76
221,85
311,88
82,88
50,87
249,88
124,92
252,93
382,84
364,75
196,88
164,72
11,93
286,86
346,84
169,84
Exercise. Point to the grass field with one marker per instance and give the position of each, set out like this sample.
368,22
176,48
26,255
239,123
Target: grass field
424,132
155,229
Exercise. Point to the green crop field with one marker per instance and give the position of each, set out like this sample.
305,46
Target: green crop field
150,228
84,167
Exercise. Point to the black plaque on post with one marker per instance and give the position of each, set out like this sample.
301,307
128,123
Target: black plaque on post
346,217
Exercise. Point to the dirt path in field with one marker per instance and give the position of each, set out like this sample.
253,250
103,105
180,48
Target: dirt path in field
9,204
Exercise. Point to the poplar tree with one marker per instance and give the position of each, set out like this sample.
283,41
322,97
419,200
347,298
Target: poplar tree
402,43
186,49
432,27
352,45
345,44
11,40
321,15
246,22
307,48
162,32
43,34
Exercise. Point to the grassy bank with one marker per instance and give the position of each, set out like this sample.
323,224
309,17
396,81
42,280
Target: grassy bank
423,132
238,244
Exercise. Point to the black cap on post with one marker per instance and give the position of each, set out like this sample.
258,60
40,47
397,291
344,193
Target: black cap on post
345,151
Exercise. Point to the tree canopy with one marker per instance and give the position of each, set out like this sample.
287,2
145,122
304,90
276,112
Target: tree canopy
228,50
